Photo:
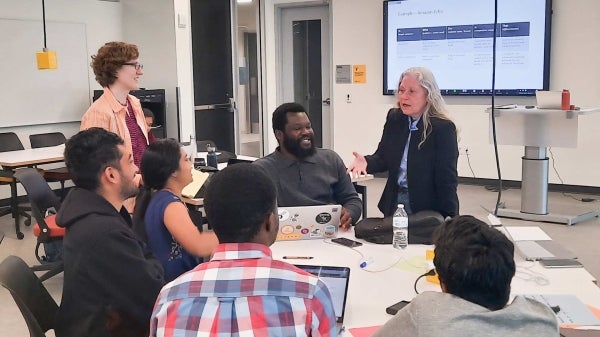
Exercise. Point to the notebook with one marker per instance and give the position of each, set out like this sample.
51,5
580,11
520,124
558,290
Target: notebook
308,222
336,279
197,188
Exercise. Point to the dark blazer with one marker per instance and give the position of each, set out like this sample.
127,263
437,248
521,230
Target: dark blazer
431,169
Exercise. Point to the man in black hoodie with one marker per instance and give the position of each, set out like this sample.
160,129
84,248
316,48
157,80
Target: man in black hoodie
111,280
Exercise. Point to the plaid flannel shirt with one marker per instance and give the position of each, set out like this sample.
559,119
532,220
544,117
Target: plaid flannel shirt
242,291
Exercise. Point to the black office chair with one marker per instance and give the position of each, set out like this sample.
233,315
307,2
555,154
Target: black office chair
37,306
9,141
60,174
48,233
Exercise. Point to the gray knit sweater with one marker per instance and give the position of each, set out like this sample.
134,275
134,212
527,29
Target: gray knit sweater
439,314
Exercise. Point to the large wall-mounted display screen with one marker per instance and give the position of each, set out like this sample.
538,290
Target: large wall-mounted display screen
454,39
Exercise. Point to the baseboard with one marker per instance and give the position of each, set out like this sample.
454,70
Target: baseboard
579,189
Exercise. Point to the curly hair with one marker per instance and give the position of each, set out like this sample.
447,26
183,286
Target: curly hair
110,57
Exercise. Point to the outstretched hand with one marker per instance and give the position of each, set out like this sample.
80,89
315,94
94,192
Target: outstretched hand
358,166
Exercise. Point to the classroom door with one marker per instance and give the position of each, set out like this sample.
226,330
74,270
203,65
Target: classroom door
305,66
212,59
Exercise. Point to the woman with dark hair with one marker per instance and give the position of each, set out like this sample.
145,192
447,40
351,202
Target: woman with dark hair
161,218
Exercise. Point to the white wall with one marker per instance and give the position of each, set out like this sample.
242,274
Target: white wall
150,24
103,23
246,23
185,81
357,39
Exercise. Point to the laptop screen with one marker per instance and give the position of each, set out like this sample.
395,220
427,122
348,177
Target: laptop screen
336,279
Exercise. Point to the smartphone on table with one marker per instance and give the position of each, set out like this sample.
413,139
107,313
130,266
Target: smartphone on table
393,309
347,242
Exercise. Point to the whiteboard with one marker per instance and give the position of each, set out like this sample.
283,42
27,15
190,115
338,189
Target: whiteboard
29,96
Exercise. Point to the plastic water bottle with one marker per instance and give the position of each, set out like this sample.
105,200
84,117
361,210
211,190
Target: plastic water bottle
193,148
211,157
400,226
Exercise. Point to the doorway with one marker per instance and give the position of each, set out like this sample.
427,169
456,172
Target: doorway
305,66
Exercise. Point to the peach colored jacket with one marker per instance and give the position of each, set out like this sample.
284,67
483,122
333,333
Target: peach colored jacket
107,113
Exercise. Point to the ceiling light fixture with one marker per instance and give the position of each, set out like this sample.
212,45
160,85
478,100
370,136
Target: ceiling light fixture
46,59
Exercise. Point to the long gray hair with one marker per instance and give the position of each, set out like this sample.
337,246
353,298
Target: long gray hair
436,107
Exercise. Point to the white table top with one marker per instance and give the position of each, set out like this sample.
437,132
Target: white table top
370,293
520,109
42,155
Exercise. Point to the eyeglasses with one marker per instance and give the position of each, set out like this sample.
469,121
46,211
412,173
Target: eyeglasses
138,66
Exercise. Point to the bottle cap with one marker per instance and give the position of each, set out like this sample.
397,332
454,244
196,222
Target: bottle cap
400,205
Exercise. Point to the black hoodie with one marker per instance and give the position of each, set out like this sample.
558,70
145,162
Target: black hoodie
108,272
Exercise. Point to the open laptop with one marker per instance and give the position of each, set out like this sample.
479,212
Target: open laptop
548,99
308,222
533,244
536,250
336,279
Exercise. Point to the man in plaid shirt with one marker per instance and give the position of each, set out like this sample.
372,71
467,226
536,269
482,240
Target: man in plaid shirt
242,291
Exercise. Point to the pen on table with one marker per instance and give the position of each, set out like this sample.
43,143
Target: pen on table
298,257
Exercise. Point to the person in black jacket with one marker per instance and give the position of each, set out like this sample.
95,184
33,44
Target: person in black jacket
111,280
418,148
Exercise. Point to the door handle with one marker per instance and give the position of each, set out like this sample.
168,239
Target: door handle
327,101
212,106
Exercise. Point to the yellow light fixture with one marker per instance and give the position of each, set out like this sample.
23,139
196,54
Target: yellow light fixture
46,59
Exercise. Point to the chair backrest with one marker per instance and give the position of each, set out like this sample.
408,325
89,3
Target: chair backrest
39,192
9,141
47,139
37,306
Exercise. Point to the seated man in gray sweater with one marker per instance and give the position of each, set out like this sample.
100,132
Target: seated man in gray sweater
304,174
475,266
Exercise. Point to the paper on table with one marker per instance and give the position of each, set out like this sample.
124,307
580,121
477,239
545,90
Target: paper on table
571,309
364,331
527,233
198,180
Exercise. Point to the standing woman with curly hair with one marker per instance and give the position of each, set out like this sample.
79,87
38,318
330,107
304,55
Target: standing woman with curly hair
118,70
418,149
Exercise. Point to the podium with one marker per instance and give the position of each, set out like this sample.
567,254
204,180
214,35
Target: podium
536,130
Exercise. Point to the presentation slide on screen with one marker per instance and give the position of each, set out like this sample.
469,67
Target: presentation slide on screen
453,38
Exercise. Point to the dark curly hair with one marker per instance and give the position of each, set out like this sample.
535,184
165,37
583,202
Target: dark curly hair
110,57
88,153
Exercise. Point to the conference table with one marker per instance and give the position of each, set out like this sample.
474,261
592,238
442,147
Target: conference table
390,275
12,160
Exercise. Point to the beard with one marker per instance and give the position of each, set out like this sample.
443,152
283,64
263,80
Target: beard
294,146
129,189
